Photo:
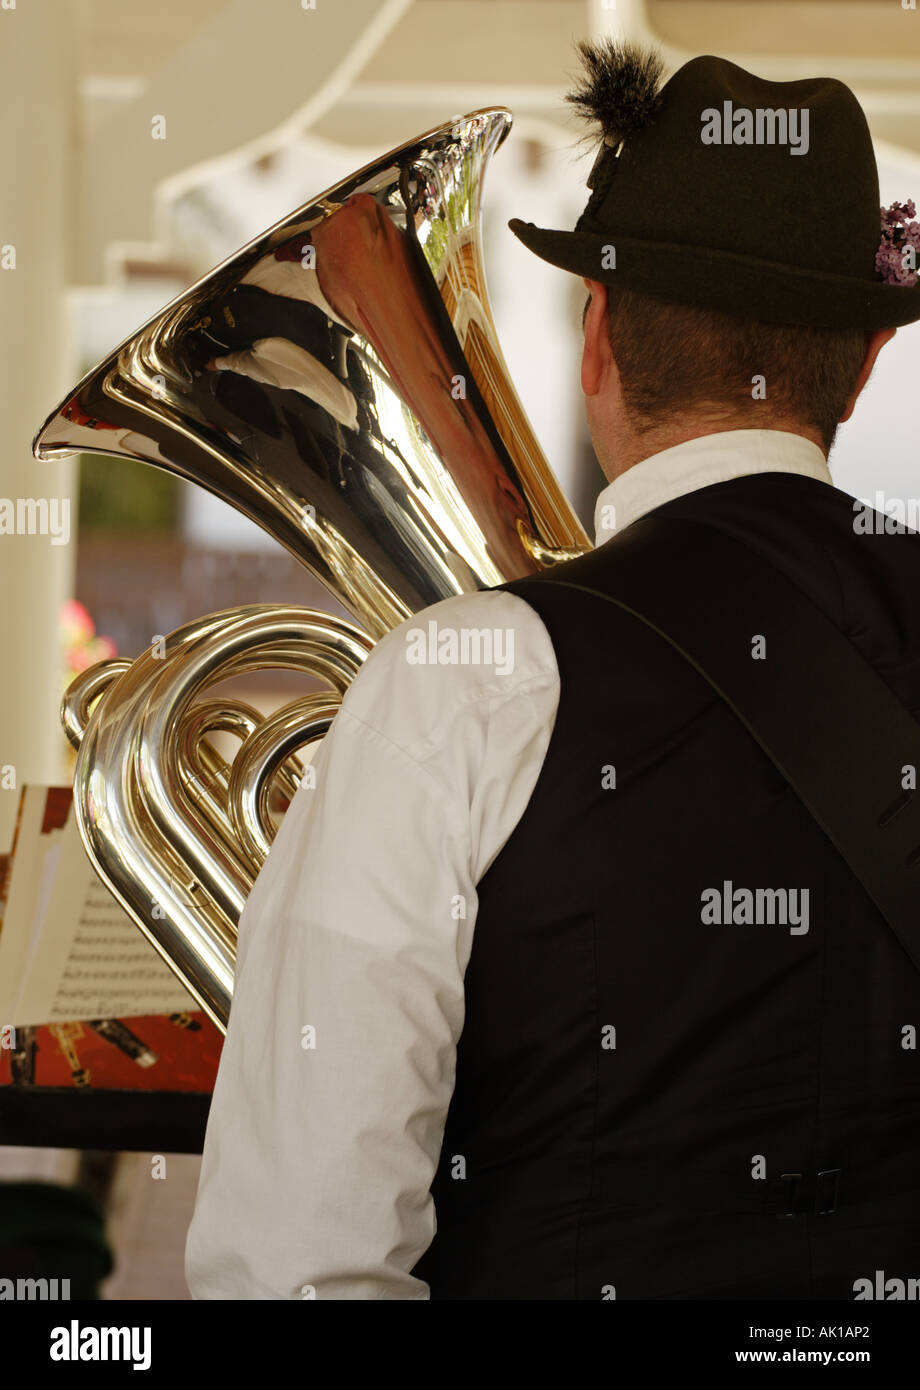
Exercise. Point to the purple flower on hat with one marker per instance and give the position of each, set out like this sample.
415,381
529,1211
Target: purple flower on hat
900,234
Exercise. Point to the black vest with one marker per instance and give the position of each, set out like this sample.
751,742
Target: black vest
650,1102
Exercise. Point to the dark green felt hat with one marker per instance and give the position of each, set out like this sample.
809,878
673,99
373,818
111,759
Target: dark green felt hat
729,192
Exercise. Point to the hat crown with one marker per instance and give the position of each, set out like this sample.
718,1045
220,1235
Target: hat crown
781,171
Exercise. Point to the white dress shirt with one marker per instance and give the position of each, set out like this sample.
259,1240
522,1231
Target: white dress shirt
338,1066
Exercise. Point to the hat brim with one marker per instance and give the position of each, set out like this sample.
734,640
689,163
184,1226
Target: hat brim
725,281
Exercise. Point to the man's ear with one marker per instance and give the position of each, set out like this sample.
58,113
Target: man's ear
596,351
874,344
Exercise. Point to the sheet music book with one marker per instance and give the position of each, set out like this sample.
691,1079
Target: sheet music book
85,999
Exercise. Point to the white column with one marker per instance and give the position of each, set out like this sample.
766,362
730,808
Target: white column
37,104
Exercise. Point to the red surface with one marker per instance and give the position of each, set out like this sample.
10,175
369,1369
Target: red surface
186,1060
57,808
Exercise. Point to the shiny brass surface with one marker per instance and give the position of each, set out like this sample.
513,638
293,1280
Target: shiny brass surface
338,380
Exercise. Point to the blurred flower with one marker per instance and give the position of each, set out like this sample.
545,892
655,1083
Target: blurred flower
83,647
897,259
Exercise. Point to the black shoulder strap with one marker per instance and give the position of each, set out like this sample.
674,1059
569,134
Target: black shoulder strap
816,707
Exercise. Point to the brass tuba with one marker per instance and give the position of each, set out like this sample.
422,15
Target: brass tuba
339,381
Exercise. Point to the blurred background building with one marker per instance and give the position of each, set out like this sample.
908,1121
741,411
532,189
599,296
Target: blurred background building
266,104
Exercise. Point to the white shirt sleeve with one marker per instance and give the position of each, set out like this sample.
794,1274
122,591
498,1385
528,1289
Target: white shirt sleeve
337,1071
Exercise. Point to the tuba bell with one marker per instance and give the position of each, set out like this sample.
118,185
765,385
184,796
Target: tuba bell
339,381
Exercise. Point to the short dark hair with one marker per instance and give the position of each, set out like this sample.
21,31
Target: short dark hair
673,357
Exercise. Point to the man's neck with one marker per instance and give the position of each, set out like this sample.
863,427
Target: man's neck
632,448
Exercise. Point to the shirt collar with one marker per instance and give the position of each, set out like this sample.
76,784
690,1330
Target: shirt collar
712,458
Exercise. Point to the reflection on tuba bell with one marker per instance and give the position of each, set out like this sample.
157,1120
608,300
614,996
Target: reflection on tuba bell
339,381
